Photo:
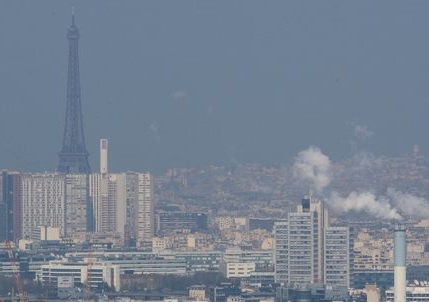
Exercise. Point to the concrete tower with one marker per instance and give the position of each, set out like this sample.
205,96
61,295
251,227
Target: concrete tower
400,271
103,155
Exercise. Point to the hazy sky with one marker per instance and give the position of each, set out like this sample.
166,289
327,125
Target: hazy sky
184,83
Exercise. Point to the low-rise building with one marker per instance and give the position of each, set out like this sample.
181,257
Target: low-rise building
413,294
94,274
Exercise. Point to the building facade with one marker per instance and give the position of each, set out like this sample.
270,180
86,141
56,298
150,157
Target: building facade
281,258
76,204
308,251
144,210
95,275
337,259
108,198
42,202
10,205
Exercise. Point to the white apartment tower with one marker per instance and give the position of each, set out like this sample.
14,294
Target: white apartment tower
302,246
281,258
108,192
321,221
299,244
117,202
337,259
144,223
42,200
108,196
76,202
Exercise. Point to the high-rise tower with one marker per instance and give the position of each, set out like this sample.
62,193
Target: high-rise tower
73,157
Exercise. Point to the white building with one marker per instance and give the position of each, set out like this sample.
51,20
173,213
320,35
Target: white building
95,274
413,294
302,248
49,233
118,197
337,259
42,202
108,196
123,204
298,249
281,258
238,269
107,192
144,210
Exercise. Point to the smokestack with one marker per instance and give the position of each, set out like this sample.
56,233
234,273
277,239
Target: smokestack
400,255
103,155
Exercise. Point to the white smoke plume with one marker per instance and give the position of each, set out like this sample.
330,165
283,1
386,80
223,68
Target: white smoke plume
364,202
409,204
362,132
314,168
179,95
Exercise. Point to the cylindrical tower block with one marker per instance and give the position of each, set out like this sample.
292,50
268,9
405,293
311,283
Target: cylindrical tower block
400,271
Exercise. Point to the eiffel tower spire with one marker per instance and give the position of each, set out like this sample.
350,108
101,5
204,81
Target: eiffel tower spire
73,157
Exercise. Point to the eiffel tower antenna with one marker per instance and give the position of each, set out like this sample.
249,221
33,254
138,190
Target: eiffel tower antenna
72,15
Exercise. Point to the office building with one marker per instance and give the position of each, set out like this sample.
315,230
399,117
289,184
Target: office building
93,274
170,222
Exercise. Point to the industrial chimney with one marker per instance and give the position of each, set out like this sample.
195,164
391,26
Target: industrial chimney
400,271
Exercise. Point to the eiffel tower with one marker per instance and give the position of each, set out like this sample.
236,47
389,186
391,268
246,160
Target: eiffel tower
73,157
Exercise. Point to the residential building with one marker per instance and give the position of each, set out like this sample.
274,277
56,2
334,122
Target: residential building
298,246
281,258
144,210
10,203
337,259
43,202
76,204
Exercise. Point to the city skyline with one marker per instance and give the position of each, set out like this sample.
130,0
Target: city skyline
177,96
241,151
